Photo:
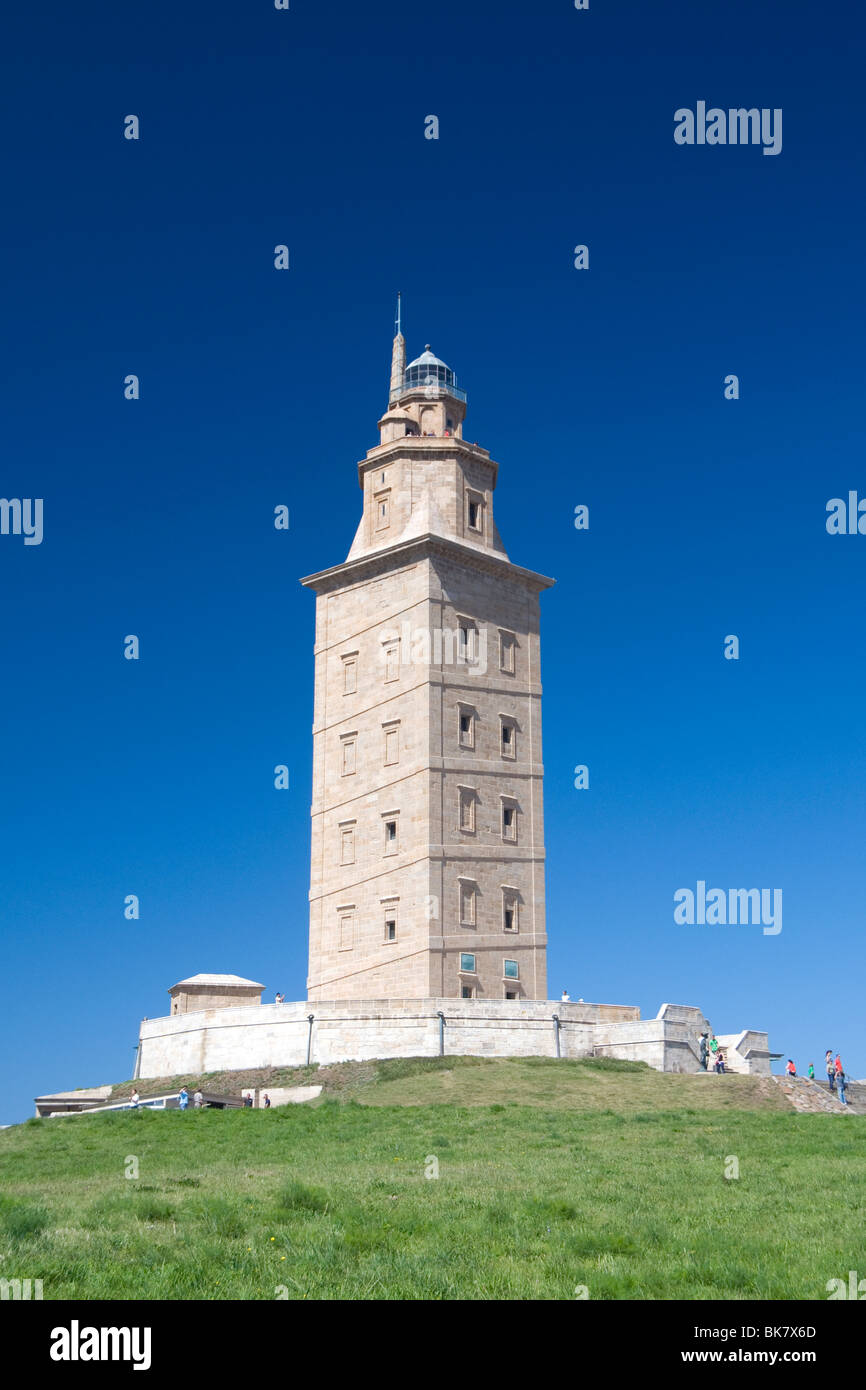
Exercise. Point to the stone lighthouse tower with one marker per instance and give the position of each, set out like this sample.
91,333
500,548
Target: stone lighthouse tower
427,865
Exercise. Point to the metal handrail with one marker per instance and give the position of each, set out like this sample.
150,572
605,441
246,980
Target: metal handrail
432,388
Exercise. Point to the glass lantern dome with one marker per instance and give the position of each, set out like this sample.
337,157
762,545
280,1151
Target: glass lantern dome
429,371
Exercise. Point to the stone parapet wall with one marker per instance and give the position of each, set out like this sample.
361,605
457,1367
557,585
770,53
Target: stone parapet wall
746,1052
666,1046
275,1035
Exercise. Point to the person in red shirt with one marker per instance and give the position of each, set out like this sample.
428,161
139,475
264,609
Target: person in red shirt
837,1064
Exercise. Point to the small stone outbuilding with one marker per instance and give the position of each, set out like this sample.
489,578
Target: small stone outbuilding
213,992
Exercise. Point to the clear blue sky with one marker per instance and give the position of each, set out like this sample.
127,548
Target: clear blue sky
604,387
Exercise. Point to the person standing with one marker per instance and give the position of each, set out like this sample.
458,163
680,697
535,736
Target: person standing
183,1098
198,1100
566,997
134,1099
811,1072
831,1072
266,1101
837,1065
840,1083
703,1051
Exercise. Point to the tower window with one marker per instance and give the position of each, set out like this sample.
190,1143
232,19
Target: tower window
467,809
389,909
466,727
467,962
508,742
466,992
467,902
350,674
348,755
509,823
383,509
509,909
390,828
347,843
475,511
347,928
467,641
510,969
391,659
507,646
392,743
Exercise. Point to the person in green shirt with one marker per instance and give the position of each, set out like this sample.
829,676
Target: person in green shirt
811,1072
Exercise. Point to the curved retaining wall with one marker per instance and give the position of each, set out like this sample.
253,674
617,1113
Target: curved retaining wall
247,1036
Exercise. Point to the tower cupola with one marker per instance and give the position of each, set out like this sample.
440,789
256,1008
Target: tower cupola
424,398
429,371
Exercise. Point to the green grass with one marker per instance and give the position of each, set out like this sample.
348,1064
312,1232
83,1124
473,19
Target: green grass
590,1084
551,1175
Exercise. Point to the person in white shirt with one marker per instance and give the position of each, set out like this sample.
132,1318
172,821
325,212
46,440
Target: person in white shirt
566,997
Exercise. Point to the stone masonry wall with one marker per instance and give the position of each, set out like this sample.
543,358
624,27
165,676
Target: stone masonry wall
355,1030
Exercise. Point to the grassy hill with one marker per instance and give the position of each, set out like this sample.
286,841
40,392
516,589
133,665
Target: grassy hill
551,1175
481,1081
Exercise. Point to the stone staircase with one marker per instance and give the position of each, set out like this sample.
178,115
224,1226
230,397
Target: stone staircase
856,1094
815,1097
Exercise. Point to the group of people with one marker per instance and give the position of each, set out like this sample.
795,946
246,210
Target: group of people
836,1078
198,1100
183,1099
712,1054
